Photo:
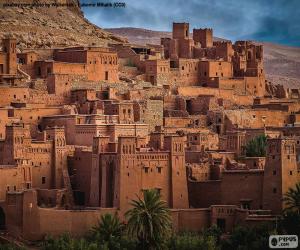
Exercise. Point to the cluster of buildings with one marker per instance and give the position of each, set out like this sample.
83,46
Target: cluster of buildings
84,130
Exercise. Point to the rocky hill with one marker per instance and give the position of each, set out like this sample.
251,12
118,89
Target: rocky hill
282,63
42,27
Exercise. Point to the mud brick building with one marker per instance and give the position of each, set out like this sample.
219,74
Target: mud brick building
83,130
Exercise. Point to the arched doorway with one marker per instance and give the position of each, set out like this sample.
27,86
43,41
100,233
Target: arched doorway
2,219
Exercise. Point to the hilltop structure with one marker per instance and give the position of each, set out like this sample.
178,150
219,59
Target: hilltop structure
83,130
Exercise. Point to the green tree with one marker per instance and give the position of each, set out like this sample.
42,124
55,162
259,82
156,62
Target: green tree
290,223
109,232
249,238
292,199
256,147
193,241
10,247
66,242
149,221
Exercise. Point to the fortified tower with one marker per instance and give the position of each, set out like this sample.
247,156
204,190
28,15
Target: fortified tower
9,47
180,30
204,37
17,140
178,189
57,135
280,172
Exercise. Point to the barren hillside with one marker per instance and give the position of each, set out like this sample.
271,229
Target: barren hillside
282,63
42,27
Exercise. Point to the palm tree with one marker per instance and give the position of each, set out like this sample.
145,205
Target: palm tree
108,230
256,147
149,220
292,199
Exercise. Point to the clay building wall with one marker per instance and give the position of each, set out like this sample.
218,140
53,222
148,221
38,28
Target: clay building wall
82,164
224,50
149,112
13,94
33,116
85,132
242,188
71,56
210,71
203,194
184,72
3,63
12,179
203,140
26,218
177,122
180,30
238,85
4,119
157,71
199,171
62,121
8,57
226,213
83,95
281,172
204,37
255,85
41,156
124,110
256,118
220,93
190,220
61,84
69,68
26,62
202,104
185,48
136,165
102,66
254,162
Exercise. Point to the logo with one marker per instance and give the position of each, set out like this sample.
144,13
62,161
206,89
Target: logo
283,241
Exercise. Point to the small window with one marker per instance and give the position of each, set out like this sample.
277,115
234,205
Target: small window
43,180
274,172
291,172
274,190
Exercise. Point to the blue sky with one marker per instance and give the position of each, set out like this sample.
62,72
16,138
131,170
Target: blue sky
263,20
